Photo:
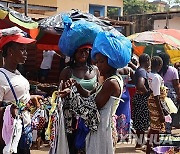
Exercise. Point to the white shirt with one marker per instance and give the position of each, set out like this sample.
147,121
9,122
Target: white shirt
19,83
155,81
47,59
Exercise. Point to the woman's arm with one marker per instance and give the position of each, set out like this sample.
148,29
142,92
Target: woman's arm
64,76
176,87
131,65
141,85
109,88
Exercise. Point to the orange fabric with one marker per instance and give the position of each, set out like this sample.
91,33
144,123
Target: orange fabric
138,50
33,33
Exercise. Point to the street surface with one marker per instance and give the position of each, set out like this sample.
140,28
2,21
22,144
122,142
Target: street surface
121,148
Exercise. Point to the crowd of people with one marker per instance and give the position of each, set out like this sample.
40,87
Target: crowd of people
104,95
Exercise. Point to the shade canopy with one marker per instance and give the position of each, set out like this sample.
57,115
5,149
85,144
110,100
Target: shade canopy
172,32
152,37
54,26
10,18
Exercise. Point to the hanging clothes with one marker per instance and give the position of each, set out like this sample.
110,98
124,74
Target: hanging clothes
8,120
11,147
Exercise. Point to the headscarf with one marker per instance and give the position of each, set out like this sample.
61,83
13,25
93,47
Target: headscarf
116,47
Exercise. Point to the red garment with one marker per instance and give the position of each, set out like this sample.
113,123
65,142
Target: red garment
132,91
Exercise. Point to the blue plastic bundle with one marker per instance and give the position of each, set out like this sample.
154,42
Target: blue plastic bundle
116,47
76,34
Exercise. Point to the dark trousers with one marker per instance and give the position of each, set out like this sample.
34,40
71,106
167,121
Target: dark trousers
71,142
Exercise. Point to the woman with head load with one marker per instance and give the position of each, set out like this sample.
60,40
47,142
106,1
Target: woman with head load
86,74
140,113
76,43
110,53
14,90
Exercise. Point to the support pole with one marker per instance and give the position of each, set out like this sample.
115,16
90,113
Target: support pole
26,7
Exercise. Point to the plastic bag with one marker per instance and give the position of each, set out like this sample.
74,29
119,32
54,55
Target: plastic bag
116,47
77,33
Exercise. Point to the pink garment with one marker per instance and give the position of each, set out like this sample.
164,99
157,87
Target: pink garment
171,74
168,119
7,129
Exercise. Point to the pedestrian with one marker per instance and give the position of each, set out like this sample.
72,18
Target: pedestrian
140,112
14,93
46,64
171,80
157,116
86,74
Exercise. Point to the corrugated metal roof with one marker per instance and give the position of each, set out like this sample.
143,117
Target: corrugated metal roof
117,22
37,16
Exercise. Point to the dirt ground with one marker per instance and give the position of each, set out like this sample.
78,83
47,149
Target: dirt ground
121,148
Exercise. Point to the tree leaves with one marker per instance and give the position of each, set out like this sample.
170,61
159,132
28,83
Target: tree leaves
138,7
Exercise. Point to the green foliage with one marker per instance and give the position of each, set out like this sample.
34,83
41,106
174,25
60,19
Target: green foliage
137,7
177,2
112,11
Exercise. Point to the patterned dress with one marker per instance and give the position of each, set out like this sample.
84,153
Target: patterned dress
155,123
140,112
123,113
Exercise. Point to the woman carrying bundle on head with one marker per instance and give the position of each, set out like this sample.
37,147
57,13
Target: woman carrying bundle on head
110,53
76,43
86,74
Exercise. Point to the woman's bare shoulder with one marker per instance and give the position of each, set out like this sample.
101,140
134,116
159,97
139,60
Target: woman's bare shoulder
65,73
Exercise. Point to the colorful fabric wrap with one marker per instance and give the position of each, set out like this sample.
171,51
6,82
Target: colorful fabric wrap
116,47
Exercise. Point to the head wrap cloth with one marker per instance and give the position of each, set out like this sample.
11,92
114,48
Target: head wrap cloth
78,33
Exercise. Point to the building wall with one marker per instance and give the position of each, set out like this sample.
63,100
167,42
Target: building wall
174,23
83,5
52,3
93,8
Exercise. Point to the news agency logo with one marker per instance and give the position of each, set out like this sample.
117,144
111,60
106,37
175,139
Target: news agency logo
159,139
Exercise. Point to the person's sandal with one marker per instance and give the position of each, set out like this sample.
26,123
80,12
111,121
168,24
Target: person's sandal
143,148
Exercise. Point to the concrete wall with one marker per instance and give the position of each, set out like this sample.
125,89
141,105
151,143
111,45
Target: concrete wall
174,23
83,5
52,3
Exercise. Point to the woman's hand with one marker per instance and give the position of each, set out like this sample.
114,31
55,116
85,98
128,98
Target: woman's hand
70,83
64,92
35,101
